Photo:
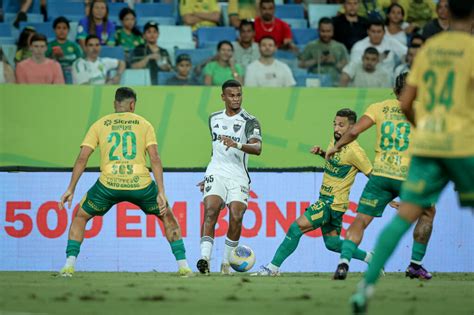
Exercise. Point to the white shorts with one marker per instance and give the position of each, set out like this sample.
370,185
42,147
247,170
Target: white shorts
228,189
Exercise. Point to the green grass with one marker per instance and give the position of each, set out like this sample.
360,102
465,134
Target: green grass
164,293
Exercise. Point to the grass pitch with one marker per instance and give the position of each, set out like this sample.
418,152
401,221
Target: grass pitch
164,293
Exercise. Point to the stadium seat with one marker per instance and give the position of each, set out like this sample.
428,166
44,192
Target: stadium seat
5,30
112,52
115,8
318,11
164,76
284,54
197,55
289,11
45,28
210,36
161,20
297,23
13,6
136,77
73,11
303,36
7,41
313,80
32,17
154,9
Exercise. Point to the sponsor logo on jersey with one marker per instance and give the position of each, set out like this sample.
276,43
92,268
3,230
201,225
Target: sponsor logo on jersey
107,122
216,126
244,190
126,122
224,127
237,127
208,188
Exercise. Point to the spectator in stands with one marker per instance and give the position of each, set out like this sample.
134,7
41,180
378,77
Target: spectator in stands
63,50
240,10
391,51
7,75
420,12
439,24
325,55
38,69
366,74
97,23
128,36
200,13
94,70
349,27
268,25
267,71
150,55
223,68
406,66
183,71
23,45
21,16
395,26
245,49
417,40
371,10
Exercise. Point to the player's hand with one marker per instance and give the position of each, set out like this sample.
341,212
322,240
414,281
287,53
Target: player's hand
394,204
201,186
228,142
66,197
162,203
315,150
330,153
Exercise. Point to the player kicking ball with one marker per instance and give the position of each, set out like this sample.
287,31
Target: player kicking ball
442,80
327,213
124,139
235,134
394,135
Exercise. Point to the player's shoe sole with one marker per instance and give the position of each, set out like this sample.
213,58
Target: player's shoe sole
185,272
203,266
67,271
341,272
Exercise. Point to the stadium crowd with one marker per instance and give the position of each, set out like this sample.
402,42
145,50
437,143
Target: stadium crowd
362,43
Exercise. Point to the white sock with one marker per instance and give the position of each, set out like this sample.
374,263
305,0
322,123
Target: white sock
229,246
206,247
183,263
273,268
345,261
368,258
71,261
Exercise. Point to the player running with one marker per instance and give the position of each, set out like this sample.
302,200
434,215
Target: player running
124,138
235,134
392,158
327,212
442,80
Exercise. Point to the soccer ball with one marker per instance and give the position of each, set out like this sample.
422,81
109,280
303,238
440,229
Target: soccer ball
242,258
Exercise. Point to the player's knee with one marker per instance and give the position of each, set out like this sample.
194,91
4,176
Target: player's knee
236,215
211,214
333,244
429,213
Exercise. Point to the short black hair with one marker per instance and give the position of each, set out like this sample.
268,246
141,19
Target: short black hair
230,83
371,51
126,11
125,93
416,36
325,20
266,1
349,113
246,22
224,42
461,9
267,37
400,82
61,19
92,36
38,38
376,23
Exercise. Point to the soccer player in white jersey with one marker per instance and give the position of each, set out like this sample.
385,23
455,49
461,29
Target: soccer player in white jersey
235,134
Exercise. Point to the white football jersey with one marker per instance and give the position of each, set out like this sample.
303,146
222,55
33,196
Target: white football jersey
242,127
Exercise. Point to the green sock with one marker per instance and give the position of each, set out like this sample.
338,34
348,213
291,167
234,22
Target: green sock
359,254
348,249
73,248
334,243
177,247
289,244
386,244
418,252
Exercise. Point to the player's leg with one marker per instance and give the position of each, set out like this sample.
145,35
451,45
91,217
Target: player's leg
421,237
98,200
426,179
236,215
314,217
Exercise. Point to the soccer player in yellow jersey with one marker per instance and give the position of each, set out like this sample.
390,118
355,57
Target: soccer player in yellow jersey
442,81
327,212
124,139
394,134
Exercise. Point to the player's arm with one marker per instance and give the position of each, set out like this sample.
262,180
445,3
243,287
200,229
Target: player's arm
79,167
157,169
316,150
406,102
364,123
253,146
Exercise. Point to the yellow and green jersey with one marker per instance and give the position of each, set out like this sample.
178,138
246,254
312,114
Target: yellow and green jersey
394,132
443,73
123,139
340,172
